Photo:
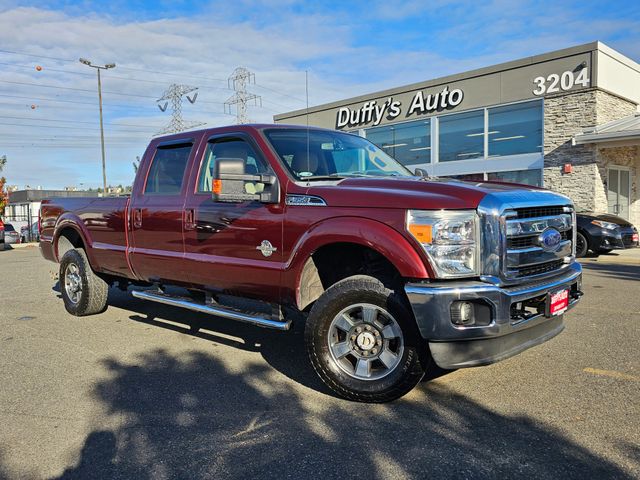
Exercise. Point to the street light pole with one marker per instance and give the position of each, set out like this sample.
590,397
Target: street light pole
84,61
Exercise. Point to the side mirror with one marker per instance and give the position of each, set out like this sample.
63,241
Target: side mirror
421,172
232,184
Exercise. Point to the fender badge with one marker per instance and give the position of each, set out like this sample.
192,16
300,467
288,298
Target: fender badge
266,248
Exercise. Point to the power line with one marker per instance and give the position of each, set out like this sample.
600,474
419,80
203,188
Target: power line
66,147
146,71
91,91
78,121
93,104
67,127
111,77
42,85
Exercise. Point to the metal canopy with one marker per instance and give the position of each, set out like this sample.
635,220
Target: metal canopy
626,130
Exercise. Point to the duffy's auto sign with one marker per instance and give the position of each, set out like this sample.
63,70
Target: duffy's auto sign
374,111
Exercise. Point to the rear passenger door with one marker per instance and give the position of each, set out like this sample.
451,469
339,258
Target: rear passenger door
156,213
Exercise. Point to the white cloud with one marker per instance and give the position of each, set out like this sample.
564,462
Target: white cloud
347,51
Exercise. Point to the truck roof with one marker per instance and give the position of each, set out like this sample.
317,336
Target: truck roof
247,127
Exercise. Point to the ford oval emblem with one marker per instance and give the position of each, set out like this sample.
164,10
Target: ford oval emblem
549,239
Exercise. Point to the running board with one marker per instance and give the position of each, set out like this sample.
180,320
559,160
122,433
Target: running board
217,310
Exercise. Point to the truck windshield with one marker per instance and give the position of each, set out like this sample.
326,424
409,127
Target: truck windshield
324,155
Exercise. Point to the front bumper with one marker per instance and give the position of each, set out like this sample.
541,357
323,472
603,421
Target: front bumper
503,334
620,238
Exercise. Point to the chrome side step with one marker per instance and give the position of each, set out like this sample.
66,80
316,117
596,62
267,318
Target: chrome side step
215,309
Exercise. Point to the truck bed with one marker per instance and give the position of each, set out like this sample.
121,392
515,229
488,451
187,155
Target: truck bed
103,222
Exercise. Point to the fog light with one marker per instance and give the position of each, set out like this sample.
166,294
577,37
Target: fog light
462,313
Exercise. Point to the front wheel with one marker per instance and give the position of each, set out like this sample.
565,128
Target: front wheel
83,292
363,342
581,245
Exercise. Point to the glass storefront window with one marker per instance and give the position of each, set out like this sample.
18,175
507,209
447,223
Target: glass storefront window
515,129
461,136
469,177
526,177
409,143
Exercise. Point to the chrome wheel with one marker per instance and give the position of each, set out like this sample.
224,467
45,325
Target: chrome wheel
73,283
365,341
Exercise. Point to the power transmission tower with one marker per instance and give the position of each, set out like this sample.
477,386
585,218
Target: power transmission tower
174,95
240,78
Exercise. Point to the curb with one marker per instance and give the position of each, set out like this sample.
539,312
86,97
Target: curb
17,246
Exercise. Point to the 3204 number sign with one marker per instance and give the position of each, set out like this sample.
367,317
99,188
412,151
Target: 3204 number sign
563,82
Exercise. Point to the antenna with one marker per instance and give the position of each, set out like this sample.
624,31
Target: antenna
306,89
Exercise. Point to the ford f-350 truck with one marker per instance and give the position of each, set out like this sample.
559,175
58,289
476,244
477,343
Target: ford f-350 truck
389,270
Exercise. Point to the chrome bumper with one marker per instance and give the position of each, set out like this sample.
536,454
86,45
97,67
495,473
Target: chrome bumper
456,346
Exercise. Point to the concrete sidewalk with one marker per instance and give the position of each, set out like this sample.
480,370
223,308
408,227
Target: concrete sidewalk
628,257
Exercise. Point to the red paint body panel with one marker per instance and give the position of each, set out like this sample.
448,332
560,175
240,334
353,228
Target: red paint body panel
217,251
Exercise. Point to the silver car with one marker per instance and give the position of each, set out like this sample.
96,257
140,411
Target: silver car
10,234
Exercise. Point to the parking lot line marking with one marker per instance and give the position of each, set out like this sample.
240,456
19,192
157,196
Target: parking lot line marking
612,374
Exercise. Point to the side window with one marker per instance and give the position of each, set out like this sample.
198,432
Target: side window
228,148
167,170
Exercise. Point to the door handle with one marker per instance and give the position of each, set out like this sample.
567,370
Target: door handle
189,219
137,218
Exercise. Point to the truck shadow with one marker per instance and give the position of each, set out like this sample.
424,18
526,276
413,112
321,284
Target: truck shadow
284,351
191,416
618,271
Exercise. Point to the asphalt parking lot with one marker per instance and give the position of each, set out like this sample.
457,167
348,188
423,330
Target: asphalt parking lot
133,393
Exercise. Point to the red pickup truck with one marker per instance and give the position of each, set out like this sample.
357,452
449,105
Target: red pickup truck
390,270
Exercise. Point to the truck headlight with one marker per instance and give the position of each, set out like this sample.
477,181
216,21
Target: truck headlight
450,239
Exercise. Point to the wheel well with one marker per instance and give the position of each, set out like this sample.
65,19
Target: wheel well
332,263
68,240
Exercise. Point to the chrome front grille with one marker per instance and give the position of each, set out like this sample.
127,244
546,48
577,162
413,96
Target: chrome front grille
526,254
511,224
546,211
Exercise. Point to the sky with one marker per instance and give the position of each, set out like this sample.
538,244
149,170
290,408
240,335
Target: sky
49,127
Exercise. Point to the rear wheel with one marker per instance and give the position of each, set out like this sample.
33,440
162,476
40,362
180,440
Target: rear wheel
363,342
581,245
83,292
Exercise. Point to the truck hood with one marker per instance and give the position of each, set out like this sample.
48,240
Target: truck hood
413,193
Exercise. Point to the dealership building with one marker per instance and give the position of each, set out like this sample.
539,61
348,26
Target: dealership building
566,120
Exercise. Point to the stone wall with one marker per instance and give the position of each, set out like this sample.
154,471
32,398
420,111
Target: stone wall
567,115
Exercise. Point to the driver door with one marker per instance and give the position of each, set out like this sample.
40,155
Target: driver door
224,240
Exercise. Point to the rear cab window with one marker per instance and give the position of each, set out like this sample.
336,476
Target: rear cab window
168,169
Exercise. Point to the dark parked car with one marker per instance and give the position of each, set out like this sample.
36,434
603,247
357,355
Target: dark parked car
603,232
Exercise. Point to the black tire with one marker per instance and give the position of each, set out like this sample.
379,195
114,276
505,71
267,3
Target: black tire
364,292
75,271
582,246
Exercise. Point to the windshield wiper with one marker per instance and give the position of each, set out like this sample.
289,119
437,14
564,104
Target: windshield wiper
332,176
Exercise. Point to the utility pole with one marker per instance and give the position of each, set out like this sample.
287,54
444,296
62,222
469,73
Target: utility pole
174,95
240,78
88,63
